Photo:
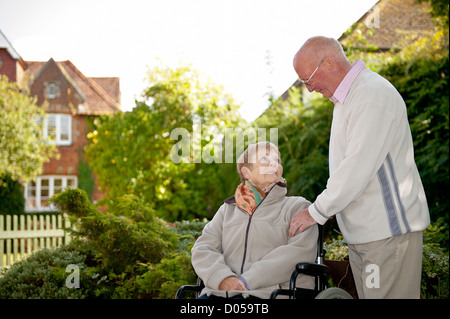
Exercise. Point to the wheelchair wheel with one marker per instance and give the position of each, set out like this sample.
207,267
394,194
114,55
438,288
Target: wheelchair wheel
334,293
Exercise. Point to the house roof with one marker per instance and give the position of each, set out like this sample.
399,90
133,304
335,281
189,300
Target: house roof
390,24
100,95
5,44
110,85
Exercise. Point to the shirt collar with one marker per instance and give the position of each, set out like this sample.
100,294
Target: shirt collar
342,90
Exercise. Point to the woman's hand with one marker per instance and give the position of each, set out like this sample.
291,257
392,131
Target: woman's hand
232,283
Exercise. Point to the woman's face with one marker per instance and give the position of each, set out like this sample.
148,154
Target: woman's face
266,168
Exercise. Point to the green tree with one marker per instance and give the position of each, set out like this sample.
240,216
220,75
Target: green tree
420,73
303,136
11,196
439,10
133,152
23,148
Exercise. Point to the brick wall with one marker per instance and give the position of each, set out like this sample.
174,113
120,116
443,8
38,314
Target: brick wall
71,155
9,67
13,69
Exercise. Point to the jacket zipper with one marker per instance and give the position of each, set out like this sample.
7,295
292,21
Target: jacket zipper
246,233
246,240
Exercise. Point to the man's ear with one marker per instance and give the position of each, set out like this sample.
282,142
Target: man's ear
328,64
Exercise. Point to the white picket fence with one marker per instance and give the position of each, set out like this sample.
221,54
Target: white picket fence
21,235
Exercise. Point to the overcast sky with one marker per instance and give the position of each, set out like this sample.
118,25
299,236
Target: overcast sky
229,41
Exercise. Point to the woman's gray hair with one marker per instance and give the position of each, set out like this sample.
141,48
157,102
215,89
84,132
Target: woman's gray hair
246,159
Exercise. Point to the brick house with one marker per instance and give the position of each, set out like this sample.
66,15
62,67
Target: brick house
72,100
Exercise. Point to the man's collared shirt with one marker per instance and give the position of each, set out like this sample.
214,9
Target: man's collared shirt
342,90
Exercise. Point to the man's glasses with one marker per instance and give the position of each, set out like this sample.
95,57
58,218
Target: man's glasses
309,79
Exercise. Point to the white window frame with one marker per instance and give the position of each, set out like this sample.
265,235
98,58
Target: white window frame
58,128
51,191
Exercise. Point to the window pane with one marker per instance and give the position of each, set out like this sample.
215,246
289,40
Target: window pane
43,202
70,183
51,126
51,90
44,182
30,196
31,190
31,193
65,128
58,182
57,185
31,203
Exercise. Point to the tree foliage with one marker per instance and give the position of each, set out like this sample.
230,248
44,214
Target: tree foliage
421,73
11,196
131,152
23,148
439,10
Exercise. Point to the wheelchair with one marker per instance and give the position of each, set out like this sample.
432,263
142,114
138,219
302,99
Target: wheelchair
318,270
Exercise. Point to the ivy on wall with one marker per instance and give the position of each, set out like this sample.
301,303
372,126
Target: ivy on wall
85,179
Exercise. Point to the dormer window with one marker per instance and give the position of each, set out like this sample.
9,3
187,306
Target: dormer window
52,91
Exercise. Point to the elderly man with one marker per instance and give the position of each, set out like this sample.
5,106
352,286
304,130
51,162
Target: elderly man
374,188
245,250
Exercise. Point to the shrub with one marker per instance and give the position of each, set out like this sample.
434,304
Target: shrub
128,233
132,253
125,252
162,280
435,272
11,196
188,231
159,281
42,275
336,249
435,264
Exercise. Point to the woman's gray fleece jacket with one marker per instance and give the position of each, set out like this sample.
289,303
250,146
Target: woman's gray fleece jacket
255,247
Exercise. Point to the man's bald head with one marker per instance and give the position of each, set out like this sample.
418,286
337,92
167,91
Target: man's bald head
324,59
318,48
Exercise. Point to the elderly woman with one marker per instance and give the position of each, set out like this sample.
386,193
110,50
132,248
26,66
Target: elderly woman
245,250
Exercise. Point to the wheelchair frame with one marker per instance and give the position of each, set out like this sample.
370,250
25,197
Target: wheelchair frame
318,270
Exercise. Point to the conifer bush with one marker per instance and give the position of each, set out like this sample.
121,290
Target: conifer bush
124,252
39,276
